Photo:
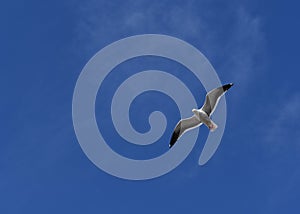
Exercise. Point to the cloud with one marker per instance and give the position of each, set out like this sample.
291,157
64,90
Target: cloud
284,120
231,38
244,48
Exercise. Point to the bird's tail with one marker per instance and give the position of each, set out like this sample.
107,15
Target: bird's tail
212,126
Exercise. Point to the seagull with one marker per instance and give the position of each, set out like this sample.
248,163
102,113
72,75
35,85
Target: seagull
201,115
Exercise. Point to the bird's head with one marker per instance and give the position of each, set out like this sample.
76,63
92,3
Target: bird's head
194,110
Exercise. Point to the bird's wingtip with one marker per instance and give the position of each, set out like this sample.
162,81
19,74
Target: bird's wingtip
227,86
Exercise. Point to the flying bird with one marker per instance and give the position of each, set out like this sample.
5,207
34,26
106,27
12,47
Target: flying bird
201,115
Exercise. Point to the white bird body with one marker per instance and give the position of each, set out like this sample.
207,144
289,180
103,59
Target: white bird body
204,118
202,115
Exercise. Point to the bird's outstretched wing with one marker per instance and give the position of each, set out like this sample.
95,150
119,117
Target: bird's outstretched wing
182,126
213,97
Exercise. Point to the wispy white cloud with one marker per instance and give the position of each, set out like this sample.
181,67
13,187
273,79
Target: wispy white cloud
231,38
282,126
245,48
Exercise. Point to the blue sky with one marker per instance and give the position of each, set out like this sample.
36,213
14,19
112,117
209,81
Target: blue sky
44,46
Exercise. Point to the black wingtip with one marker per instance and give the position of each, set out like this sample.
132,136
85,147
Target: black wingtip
174,137
173,141
176,134
227,86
